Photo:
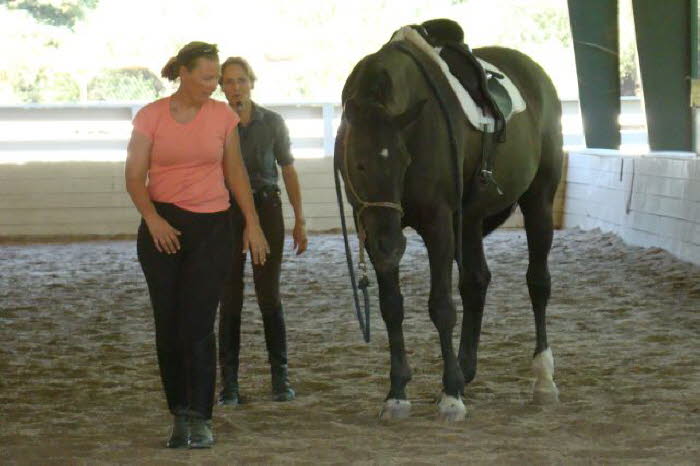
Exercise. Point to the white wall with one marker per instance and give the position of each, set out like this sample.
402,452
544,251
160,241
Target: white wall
88,198
50,199
650,200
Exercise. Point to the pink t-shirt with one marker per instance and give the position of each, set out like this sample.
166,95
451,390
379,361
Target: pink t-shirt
186,167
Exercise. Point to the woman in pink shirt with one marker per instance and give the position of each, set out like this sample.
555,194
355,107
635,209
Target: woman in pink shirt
183,158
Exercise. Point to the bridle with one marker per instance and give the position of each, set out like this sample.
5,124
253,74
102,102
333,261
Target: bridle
364,205
363,283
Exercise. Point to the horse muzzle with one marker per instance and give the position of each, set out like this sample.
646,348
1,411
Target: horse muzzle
385,244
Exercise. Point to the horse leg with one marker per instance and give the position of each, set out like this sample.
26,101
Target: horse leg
537,213
396,405
473,284
439,241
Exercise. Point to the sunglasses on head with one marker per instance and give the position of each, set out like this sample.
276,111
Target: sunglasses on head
206,49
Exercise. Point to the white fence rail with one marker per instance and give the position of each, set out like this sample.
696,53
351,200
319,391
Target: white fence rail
72,183
100,131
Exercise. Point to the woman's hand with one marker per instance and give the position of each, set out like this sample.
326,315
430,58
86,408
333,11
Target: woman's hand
299,235
254,240
165,237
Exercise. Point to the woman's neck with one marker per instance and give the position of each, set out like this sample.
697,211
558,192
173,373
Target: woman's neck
183,100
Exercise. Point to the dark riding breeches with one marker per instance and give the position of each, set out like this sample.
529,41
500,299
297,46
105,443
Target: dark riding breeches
267,289
184,288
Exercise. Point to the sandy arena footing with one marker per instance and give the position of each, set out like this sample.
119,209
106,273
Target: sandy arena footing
79,382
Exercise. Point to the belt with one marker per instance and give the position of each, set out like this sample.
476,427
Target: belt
266,192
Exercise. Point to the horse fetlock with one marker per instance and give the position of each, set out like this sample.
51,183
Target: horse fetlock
395,409
451,408
469,374
538,280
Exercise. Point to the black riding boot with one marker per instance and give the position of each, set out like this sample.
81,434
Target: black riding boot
201,435
229,351
229,394
203,376
276,341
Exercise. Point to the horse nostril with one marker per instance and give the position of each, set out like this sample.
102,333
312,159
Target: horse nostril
360,167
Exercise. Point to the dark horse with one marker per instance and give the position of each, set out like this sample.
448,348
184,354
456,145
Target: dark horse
397,160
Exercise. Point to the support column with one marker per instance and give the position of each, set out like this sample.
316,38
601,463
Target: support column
594,28
695,69
663,45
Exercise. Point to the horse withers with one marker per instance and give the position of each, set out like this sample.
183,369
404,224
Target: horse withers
409,157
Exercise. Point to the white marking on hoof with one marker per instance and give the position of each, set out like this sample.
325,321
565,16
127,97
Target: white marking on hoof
395,409
544,390
451,409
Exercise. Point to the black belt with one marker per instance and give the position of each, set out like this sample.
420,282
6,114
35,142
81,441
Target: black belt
266,192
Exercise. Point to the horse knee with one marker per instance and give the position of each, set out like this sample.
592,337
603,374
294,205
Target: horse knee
442,312
476,282
538,280
391,306
538,276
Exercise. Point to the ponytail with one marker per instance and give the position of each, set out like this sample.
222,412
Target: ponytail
171,69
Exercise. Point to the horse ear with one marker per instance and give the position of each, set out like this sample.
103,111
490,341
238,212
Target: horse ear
410,115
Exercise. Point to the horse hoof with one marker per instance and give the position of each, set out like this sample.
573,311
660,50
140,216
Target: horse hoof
544,390
395,409
451,409
545,394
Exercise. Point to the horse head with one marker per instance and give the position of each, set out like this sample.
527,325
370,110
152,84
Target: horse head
375,159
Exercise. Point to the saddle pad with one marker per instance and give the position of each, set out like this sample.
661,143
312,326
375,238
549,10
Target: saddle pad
474,114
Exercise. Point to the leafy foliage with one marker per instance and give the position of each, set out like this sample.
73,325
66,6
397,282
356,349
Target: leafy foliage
125,84
301,50
54,13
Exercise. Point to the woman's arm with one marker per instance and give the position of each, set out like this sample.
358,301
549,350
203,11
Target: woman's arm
165,237
291,183
238,183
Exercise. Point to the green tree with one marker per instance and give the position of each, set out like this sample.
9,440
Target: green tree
134,83
66,13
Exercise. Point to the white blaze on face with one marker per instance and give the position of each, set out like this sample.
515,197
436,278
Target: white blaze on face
384,153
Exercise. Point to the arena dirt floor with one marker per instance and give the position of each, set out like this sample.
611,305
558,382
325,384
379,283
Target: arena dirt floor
79,382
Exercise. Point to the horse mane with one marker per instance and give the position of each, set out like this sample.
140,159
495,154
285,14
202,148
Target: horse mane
369,88
369,81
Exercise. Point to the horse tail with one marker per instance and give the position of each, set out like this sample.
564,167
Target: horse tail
494,221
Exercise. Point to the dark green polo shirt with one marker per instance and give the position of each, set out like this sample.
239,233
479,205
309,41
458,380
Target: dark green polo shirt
264,144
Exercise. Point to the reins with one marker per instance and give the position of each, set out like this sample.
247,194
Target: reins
441,98
363,283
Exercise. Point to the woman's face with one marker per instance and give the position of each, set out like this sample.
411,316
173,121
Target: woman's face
236,84
201,82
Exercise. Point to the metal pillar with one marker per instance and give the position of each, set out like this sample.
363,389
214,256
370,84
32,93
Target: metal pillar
594,28
663,44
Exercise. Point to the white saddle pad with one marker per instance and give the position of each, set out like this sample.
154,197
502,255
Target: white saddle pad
475,115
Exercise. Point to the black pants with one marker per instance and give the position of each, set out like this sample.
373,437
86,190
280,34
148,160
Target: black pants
184,290
267,289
